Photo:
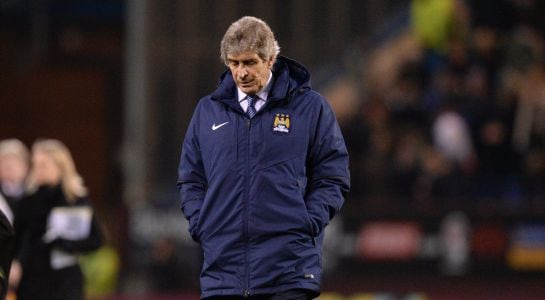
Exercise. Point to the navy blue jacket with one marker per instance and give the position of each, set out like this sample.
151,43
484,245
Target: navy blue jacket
258,193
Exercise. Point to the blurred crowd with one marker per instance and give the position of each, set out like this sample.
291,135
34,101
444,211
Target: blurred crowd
44,201
450,111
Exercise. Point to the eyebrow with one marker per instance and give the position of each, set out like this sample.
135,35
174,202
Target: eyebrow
242,60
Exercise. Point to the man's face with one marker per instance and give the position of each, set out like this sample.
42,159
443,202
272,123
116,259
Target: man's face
249,71
12,169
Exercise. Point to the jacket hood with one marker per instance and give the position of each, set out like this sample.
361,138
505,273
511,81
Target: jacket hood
289,76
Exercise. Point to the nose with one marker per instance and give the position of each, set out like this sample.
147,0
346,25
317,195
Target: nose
242,71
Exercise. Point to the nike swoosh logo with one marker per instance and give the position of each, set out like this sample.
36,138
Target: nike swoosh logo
216,127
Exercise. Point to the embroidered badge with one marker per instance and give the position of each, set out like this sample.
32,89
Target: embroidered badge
282,123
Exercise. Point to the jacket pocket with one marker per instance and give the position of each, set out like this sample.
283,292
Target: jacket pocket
194,229
279,205
302,185
309,226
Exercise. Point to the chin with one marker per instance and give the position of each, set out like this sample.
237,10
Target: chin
249,90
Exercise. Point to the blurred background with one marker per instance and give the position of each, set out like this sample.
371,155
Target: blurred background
441,102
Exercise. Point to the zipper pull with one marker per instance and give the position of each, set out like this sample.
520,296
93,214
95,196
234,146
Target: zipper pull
246,294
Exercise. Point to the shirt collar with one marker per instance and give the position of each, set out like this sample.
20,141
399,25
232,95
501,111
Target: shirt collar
263,94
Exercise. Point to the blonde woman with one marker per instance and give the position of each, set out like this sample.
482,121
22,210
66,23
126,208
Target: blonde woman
54,224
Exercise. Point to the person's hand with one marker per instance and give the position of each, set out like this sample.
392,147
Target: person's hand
62,244
15,274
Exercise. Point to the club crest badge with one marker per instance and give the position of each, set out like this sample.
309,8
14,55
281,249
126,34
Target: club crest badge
282,123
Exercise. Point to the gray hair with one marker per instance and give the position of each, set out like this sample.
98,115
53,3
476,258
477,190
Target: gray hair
15,148
249,34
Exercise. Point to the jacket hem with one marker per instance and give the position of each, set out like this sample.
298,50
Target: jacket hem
313,288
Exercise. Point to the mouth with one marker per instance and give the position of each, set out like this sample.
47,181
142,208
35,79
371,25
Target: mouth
246,83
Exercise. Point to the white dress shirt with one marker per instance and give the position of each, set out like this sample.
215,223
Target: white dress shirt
262,96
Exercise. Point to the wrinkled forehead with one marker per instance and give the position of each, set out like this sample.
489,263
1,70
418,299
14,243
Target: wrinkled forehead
244,55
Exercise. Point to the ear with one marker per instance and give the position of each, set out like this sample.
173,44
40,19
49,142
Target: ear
271,62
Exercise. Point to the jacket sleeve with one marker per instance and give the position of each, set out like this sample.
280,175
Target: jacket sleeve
7,243
327,165
21,225
191,177
92,242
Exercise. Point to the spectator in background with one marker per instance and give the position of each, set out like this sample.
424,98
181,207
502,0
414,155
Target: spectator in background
13,171
378,167
451,136
7,243
498,162
529,123
166,275
58,208
470,77
101,268
534,177
436,25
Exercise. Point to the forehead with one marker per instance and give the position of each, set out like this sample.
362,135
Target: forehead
241,56
40,154
10,157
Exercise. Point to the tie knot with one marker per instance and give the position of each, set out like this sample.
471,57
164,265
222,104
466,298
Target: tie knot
252,98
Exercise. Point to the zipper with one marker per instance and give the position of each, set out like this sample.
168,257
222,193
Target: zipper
246,220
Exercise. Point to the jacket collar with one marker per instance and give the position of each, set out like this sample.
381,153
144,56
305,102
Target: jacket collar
289,76
263,93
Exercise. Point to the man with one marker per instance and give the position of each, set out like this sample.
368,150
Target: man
14,163
263,170
13,170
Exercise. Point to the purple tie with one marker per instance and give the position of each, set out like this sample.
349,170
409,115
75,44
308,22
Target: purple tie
250,112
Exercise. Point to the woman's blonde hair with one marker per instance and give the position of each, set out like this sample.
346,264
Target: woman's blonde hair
71,181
